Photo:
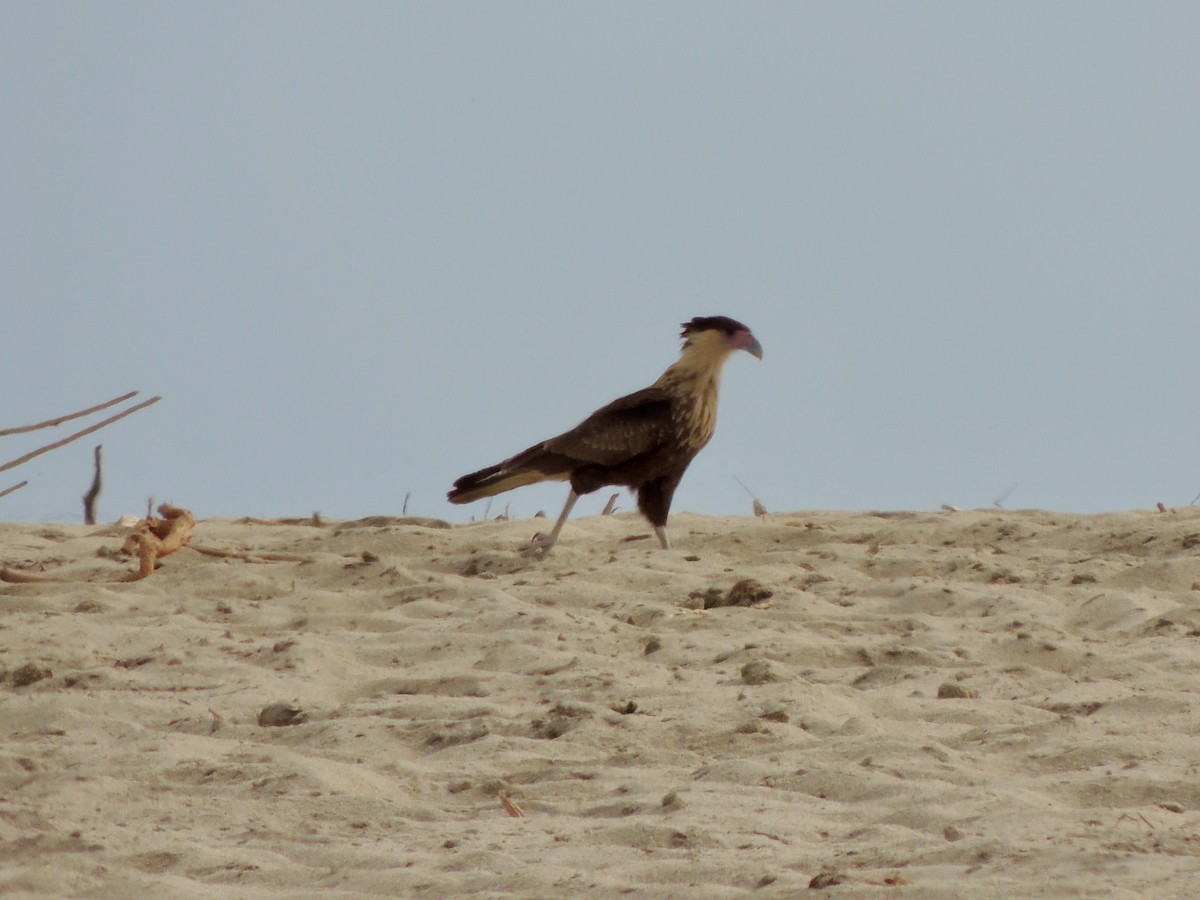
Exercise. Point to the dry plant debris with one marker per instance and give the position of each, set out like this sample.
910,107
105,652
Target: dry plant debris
509,806
153,538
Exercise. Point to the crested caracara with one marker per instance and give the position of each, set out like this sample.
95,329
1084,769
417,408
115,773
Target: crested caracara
643,441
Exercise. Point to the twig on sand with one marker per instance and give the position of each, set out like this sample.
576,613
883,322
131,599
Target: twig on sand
999,501
509,807
611,506
759,509
314,520
83,412
89,499
77,435
14,577
250,557
152,538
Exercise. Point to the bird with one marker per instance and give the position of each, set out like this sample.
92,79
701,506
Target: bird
643,441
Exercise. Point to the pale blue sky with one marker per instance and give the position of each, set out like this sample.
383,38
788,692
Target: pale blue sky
362,249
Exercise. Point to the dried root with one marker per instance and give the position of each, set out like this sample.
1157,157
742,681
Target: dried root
153,538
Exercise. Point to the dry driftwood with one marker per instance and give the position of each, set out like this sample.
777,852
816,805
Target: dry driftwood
75,415
153,538
74,437
89,499
15,487
14,577
509,806
250,557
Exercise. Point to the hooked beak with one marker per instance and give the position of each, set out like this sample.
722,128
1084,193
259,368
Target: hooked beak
744,340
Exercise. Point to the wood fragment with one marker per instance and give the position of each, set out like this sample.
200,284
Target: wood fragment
314,520
12,576
154,538
77,435
759,509
151,539
83,412
15,487
89,499
509,807
250,557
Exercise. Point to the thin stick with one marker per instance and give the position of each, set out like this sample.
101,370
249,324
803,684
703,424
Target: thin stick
250,557
89,499
999,501
61,419
759,509
15,487
509,807
28,456
14,577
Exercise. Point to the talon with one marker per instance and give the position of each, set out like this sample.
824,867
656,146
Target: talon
539,546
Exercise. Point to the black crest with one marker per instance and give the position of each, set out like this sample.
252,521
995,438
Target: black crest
723,324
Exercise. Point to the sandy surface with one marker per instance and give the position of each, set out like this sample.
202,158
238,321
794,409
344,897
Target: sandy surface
950,704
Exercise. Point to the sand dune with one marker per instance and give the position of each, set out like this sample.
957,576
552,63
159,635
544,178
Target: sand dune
969,704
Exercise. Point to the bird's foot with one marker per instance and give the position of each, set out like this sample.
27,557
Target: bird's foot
539,546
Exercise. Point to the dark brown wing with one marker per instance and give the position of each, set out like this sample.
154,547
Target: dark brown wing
625,429
628,427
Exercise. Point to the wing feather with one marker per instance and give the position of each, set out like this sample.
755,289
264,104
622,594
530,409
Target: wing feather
630,426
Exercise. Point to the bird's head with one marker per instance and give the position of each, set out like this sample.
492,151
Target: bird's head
717,337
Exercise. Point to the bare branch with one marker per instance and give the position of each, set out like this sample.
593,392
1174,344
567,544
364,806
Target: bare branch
154,538
89,499
74,437
15,487
85,412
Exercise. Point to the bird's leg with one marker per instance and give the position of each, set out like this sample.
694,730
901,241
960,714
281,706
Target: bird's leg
541,544
661,531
